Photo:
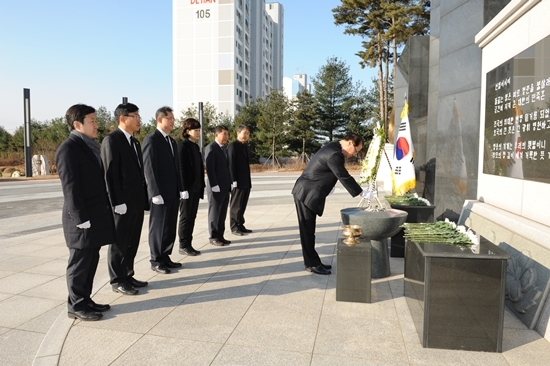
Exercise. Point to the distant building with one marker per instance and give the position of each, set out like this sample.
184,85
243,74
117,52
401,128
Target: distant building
226,52
296,84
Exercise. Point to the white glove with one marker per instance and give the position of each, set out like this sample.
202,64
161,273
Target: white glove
369,195
84,225
121,209
216,189
157,200
332,190
184,195
234,185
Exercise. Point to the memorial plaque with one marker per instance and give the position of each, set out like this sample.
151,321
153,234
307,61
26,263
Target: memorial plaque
517,116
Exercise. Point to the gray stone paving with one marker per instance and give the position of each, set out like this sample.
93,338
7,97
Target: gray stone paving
250,303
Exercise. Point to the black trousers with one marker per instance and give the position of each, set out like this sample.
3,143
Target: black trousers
163,220
239,200
188,214
80,277
217,212
121,255
306,223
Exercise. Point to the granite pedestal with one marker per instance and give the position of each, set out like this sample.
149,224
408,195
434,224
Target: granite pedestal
456,296
416,214
376,226
353,272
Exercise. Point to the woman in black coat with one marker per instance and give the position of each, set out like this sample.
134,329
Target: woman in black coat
191,169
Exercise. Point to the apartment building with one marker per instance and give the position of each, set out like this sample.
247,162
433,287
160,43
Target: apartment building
226,52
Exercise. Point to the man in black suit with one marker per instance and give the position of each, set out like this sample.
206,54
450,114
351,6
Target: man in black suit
192,179
239,167
87,217
218,187
123,162
315,184
160,159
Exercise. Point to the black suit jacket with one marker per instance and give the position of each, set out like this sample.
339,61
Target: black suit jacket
161,167
217,167
124,172
320,176
239,164
191,167
84,196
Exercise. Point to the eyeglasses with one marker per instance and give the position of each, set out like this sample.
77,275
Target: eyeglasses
136,116
195,129
356,150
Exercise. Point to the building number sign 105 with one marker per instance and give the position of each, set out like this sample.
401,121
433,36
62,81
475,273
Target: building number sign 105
203,13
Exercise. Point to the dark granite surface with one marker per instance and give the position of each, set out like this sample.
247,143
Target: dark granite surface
456,297
353,272
481,251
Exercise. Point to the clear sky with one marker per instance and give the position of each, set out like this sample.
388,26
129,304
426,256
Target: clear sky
96,52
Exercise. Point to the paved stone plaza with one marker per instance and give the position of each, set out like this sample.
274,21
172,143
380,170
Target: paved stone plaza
250,303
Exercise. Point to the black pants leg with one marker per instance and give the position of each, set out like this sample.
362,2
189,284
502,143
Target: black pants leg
162,230
306,223
81,270
217,213
121,255
188,214
239,200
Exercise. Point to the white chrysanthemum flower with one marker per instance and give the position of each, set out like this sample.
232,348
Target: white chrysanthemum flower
461,229
472,236
453,225
425,201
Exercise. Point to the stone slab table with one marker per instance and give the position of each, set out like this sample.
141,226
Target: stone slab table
376,226
456,296
353,272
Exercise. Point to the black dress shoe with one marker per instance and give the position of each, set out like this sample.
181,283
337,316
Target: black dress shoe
137,283
85,315
98,308
326,266
242,229
318,270
217,242
237,232
160,268
223,240
197,252
125,289
171,264
187,251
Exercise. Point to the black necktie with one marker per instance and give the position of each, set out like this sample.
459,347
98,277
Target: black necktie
134,147
170,143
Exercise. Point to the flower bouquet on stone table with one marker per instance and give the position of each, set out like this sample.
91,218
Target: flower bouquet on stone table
407,199
440,232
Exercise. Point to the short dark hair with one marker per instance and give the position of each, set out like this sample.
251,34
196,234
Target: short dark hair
163,111
220,128
124,109
355,138
77,112
189,124
243,127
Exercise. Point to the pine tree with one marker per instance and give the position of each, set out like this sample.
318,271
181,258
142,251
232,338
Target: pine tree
386,25
333,88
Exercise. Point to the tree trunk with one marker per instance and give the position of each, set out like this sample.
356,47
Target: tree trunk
304,149
381,83
273,151
386,89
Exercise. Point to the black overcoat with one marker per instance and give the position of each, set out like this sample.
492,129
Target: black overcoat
321,174
85,196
